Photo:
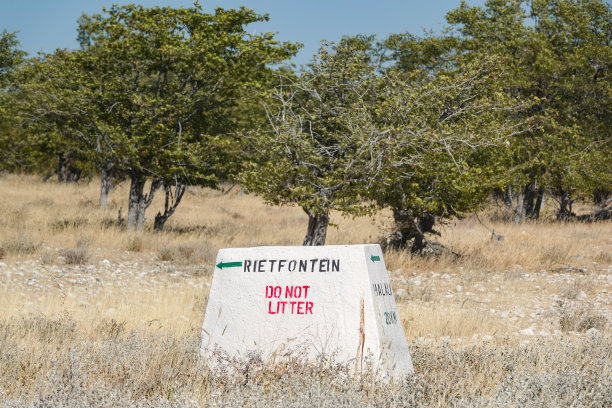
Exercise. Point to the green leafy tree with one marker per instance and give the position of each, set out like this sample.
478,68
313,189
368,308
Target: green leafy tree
317,150
152,93
443,127
576,66
559,53
11,58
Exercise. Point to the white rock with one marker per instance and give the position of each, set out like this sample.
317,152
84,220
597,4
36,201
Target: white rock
458,288
401,292
318,300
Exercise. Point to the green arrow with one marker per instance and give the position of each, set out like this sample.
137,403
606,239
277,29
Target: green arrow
222,265
375,258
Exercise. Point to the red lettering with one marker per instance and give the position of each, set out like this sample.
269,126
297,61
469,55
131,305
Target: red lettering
269,291
306,291
293,307
270,308
299,307
308,307
284,304
296,292
278,291
288,291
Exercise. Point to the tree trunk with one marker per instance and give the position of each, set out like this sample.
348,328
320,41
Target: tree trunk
538,204
410,230
139,201
317,229
519,213
172,201
533,197
62,168
404,229
565,206
530,194
508,203
600,196
66,173
106,185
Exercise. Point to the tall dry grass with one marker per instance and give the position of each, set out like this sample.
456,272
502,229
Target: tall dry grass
94,315
51,362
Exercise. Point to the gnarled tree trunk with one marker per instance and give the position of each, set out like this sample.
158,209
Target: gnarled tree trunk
317,228
172,201
106,184
523,203
139,201
519,212
533,198
565,206
66,172
509,202
538,205
410,230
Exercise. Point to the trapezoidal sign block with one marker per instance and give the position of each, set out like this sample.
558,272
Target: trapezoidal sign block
331,301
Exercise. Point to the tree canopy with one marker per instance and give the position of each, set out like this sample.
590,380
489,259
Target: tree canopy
512,98
318,151
560,53
153,93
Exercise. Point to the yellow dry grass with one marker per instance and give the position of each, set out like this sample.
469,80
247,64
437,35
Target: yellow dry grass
79,292
44,220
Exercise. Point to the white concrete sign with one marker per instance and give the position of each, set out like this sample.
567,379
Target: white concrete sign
330,300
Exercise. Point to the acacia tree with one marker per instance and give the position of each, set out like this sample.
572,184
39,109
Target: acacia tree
317,150
151,91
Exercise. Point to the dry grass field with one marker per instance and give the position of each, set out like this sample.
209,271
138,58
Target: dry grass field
94,315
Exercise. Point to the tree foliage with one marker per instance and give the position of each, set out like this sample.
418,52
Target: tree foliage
442,133
356,131
558,52
317,152
11,59
513,97
153,94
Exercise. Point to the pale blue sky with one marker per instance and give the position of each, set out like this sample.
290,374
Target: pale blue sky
45,25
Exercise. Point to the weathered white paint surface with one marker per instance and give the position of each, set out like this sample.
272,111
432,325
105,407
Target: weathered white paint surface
332,300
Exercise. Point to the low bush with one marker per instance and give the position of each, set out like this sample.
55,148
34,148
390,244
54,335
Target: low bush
187,254
76,256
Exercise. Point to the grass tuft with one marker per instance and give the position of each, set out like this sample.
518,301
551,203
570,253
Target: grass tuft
76,256
20,244
187,254
581,319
